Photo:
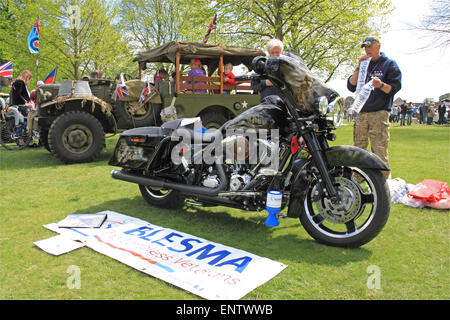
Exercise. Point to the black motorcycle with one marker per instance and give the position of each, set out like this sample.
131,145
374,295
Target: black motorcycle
339,193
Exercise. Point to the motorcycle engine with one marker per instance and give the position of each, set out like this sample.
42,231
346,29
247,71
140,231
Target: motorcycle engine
211,181
236,147
238,181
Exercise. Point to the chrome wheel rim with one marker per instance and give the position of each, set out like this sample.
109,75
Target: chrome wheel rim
157,193
360,200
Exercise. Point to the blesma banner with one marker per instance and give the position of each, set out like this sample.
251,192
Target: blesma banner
207,269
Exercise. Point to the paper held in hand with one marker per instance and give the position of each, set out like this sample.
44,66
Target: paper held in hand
363,89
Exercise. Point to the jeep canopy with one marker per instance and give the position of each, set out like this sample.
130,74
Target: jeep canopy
209,54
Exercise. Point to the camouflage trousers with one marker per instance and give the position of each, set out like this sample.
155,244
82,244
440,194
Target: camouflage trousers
373,127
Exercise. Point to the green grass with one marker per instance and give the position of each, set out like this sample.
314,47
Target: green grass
412,252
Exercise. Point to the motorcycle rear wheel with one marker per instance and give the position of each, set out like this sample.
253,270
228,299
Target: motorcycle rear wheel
361,214
168,199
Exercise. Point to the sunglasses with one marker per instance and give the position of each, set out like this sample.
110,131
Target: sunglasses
371,39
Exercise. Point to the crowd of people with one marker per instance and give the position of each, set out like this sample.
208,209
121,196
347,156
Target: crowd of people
406,114
424,113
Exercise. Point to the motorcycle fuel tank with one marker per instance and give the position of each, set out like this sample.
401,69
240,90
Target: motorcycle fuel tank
263,116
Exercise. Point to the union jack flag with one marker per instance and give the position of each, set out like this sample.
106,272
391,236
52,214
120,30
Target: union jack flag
145,92
121,89
212,26
6,70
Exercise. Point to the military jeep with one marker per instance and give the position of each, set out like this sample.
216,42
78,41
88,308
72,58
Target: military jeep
214,107
73,116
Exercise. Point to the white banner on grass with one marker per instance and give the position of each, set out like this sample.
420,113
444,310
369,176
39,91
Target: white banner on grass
207,269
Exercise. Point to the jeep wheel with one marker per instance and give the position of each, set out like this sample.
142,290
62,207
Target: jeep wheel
128,118
213,120
76,137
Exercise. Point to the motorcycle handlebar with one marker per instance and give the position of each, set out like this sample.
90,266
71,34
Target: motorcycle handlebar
246,77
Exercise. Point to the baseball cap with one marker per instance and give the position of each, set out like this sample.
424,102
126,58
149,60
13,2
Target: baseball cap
369,41
197,61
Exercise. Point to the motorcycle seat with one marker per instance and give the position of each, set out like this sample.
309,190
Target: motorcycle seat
190,130
199,135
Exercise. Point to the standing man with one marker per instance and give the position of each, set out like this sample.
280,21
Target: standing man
430,114
372,121
424,110
409,112
441,110
403,111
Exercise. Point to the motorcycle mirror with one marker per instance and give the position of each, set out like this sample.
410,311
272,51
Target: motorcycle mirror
259,64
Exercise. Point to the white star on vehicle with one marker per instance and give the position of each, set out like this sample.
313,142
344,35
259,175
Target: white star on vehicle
244,104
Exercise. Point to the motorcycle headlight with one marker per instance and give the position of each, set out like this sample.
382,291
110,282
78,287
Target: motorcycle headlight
322,105
336,111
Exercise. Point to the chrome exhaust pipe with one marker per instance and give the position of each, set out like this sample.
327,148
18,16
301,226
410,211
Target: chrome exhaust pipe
183,188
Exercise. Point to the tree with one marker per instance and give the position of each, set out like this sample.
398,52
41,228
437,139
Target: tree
437,24
96,42
326,34
16,20
150,23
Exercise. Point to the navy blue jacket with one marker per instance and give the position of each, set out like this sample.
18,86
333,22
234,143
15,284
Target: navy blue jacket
260,86
388,71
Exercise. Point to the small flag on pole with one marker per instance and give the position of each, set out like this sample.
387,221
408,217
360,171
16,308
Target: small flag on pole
51,77
33,38
212,26
6,69
145,92
121,89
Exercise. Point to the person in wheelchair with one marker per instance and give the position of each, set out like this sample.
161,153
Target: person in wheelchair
19,99
13,111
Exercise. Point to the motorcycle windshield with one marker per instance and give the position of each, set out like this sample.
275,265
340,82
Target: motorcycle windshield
306,87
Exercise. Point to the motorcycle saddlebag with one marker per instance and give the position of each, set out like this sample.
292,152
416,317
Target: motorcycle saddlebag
138,147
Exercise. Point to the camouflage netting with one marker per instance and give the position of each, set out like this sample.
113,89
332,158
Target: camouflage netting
86,101
135,87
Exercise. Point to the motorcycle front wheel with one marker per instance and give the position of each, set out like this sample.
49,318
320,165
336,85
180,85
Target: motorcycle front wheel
358,216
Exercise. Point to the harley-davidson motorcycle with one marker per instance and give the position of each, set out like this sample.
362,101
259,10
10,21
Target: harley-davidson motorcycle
339,193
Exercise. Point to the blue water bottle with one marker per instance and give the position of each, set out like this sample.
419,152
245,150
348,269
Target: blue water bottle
273,206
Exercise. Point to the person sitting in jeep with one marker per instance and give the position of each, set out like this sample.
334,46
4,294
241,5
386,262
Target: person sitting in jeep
228,76
163,85
196,71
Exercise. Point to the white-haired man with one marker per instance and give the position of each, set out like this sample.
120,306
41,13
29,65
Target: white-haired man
274,48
